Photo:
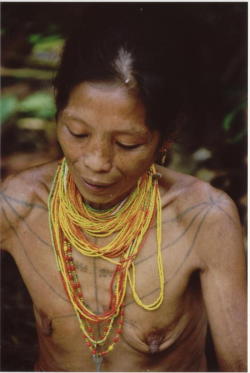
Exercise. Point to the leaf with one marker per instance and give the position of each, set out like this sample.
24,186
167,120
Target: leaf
228,120
39,104
34,38
47,51
40,39
8,107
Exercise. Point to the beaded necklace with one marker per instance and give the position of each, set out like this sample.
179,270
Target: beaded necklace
71,218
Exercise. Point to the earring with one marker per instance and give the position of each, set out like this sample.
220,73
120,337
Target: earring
163,152
163,157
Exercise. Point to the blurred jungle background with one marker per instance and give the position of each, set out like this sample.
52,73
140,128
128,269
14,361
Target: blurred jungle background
213,148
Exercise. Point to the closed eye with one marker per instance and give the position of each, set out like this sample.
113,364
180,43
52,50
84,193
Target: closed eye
79,135
128,147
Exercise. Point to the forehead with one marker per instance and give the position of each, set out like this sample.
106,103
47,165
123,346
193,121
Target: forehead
105,102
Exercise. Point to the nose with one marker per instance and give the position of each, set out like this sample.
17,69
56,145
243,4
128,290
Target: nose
99,158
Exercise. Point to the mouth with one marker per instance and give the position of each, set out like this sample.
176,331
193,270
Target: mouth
96,186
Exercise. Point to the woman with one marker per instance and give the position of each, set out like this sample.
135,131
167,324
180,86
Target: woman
143,257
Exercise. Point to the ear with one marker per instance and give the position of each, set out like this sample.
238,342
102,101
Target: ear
162,157
166,145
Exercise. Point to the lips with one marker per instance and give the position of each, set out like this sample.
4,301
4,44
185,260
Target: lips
94,185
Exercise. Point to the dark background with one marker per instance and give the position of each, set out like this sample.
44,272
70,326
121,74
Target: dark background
213,147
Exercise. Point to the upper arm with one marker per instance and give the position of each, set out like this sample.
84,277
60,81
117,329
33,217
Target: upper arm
16,204
223,280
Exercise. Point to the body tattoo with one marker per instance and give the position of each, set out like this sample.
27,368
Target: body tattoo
204,208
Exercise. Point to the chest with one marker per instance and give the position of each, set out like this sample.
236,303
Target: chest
54,312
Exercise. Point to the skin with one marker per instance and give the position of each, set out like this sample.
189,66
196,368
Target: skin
203,255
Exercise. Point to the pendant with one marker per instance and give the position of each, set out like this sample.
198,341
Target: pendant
98,362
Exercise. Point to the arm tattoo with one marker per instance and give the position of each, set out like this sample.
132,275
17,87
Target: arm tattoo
13,209
21,202
216,203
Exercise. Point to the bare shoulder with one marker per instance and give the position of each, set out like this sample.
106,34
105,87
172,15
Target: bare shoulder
213,214
23,193
186,191
31,185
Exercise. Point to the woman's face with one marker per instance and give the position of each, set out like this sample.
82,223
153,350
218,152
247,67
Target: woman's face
106,143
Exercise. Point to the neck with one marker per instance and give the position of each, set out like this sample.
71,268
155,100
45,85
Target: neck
107,206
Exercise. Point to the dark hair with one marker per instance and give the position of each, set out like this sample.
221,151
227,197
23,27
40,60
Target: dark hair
151,49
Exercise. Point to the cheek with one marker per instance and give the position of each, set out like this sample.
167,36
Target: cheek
68,146
136,164
61,138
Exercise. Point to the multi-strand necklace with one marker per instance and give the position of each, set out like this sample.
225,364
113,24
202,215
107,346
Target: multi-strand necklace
72,219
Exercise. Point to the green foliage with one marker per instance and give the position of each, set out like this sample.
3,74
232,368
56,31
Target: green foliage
8,106
39,104
46,49
35,39
234,135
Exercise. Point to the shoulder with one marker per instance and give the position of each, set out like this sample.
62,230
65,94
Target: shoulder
31,185
213,214
23,194
186,191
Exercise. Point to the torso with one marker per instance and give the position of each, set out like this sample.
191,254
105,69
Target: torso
171,338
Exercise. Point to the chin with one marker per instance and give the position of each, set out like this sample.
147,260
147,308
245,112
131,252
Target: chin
104,201
100,204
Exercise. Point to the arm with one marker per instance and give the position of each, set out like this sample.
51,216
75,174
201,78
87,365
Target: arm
223,280
10,190
16,204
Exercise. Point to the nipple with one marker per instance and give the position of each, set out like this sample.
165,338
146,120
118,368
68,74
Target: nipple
154,341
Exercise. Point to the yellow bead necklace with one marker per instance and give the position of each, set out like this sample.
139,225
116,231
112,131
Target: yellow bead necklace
71,219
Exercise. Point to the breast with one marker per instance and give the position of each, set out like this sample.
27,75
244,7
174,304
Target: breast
149,339
162,330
